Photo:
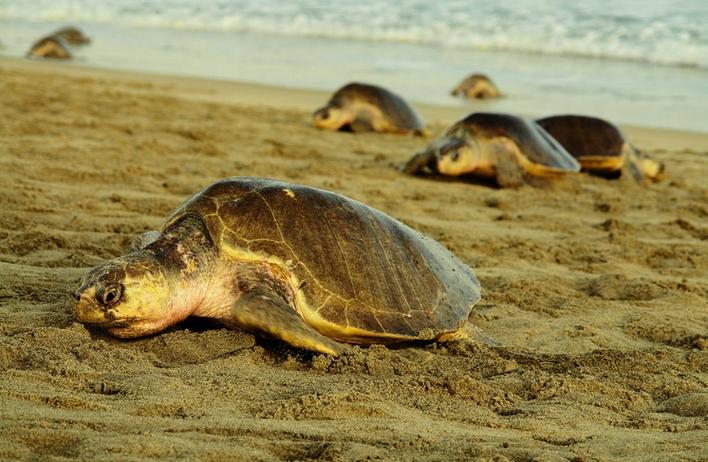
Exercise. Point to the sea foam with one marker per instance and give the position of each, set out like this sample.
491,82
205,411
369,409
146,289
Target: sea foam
663,32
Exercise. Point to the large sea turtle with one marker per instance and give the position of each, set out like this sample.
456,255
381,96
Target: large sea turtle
476,86
504,147
307,266
57,45
361,107
600,147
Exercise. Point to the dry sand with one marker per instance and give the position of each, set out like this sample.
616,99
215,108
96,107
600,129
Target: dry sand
598,291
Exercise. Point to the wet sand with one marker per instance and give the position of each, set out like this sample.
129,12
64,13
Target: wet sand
597,291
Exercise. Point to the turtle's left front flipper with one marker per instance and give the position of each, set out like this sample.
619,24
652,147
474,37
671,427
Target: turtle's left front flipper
261,312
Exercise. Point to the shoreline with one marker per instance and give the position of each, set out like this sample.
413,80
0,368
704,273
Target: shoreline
630,92
247,93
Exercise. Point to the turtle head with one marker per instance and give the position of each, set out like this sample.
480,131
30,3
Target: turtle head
153,288
330,117
128,296
457,156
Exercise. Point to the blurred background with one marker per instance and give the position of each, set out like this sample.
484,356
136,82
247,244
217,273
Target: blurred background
633,62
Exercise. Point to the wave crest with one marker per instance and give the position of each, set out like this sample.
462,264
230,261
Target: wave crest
668,34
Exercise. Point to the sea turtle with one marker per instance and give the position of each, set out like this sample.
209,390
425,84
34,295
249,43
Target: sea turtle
360,107
600,147
476,86
51,46
504,147
72,35
307,266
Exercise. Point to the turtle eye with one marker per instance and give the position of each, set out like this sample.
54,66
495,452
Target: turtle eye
109,295
454,156
324,115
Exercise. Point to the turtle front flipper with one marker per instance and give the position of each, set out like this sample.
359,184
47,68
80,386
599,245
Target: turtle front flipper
261,312
509,174
361,125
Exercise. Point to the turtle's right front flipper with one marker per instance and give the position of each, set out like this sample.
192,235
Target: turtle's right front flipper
262,312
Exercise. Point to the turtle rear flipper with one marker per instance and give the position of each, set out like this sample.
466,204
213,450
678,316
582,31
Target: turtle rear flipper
266,313
470,333
474,334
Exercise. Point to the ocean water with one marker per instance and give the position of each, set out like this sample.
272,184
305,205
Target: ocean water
636,62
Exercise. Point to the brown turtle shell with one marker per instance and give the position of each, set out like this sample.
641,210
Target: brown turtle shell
585,136
533,141
393,107
356,266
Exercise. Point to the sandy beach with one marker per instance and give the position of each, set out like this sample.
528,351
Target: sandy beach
597,291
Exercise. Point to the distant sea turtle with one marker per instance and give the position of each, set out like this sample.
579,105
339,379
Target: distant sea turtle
72,36
476,86
53,47
310,267
58,44
600,147
503,147
360,107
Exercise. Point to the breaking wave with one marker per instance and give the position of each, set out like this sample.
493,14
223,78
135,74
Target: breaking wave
662,32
